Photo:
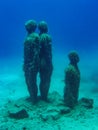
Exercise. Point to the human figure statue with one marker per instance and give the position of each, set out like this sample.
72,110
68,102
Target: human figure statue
46,66
72,81
31,59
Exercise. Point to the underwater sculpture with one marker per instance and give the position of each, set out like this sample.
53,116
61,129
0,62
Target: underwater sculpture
31,59
37,59
45,56
72,81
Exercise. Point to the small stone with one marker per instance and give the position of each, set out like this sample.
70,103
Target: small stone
64,110
44,117
19,115
86,102
55,115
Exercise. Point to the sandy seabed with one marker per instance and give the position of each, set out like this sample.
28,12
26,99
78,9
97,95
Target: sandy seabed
44,116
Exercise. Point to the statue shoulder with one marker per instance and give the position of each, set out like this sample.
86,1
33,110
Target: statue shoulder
32,38
45,38
70,69
36,35
49,38
28,40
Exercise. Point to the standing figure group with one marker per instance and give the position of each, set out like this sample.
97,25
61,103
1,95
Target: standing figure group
37,59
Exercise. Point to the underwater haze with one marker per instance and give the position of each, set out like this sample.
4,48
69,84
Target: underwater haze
73,25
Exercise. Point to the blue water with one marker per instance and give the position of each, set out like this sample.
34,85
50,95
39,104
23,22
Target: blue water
73,25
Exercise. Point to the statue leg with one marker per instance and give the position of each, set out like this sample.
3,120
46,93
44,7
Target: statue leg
45,79
30,77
